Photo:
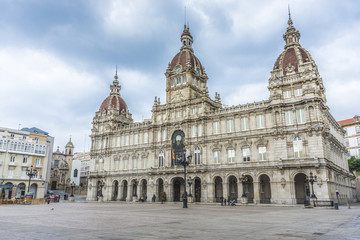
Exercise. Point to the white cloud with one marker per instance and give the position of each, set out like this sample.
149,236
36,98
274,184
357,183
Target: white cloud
131,18
38,89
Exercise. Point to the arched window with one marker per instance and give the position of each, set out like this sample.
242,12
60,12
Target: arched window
197,156
298,148
161,159
75,173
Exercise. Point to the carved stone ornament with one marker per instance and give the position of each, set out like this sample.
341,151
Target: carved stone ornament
283,182
290,68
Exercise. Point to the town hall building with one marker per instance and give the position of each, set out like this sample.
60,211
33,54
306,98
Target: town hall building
265,150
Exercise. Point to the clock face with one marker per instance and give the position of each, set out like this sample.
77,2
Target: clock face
178,138
178,70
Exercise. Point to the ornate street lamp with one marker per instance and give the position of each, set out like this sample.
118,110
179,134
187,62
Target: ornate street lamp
31,173
243,180
190,181
311,179
72,189
184,161
102,184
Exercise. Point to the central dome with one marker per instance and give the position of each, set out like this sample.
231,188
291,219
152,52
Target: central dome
186,56
294,56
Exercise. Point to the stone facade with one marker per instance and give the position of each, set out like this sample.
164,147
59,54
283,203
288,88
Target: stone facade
61,167
352,135
274,144
21,150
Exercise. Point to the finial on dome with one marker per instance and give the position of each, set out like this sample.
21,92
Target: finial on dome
289,21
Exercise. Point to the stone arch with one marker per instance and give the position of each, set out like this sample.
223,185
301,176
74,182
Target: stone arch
302,188
218,188
33,189
177,188
197,189
264,188
143,188
249,188
160,187
115,190
233,188
125,186
21,189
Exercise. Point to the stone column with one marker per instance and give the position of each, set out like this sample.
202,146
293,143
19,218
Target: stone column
129,192
256,192
225,190
120,192
210,193
240,191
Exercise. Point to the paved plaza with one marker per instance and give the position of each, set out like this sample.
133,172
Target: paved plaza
92,220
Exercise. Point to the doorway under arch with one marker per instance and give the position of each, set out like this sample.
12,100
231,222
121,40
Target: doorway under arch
115,190
178,189
249,188
124,190
197,189
233,189
302,190
33,189
160,186
265,190
143,188
218,189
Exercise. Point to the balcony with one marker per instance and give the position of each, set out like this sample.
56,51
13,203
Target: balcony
38,166
25,164
12,164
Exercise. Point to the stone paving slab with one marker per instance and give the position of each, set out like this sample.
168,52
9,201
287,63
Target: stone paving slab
92,220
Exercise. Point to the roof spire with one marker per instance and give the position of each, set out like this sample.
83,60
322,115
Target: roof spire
292,35
115,87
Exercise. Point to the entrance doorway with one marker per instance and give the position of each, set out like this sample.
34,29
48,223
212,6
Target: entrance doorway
197,189
124,191
115,190
178,189
53,185
233,189
265,190
302,190
160,188
249,189
144,188
218,189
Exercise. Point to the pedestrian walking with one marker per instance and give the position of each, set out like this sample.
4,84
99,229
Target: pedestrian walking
225,202
153,198
48,200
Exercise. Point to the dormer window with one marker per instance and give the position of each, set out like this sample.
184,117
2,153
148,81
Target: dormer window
178,80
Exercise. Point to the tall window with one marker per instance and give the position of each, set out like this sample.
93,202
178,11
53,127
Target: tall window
136,139
178,80
25,160
346,142
244,123
37,162
300,116
246,154
216,126
357,129
126,164
298,148
262,153
144,163
75,173
358,141
12,159
161,159
217,157
231,155
127,140
158,136
135,165
56,163
200,130
287,93
145,137
10,173
197,155
116,164
298,92
289,117
230,125
164,135
193,131
172,82
260,121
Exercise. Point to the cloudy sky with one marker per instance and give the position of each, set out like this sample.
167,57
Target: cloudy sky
58,58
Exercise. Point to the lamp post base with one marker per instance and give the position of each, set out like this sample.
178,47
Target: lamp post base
101,199
190,199
244,200
71,199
